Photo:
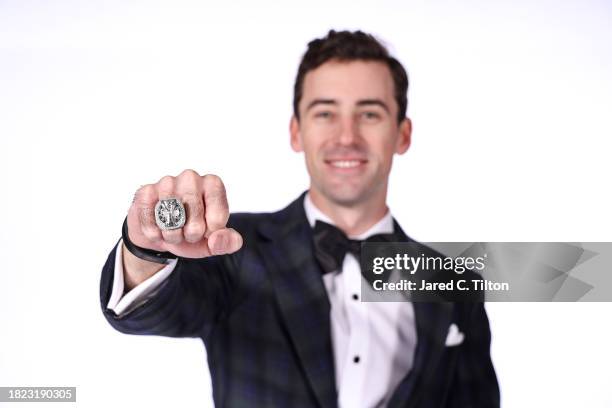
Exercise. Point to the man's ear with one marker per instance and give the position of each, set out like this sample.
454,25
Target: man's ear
296,137
405,136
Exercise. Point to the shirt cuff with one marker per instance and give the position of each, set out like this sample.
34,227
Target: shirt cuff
120,303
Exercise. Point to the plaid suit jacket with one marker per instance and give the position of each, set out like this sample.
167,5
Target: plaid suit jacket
263,315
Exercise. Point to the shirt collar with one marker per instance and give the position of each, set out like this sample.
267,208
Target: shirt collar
383,226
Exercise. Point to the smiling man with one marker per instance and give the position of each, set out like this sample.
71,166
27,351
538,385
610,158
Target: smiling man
275,297
349,126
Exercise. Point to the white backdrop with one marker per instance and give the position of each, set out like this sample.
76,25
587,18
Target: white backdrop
511,105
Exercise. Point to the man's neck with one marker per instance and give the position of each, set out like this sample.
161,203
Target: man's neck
353,220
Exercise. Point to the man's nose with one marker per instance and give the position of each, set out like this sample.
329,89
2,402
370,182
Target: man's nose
349,133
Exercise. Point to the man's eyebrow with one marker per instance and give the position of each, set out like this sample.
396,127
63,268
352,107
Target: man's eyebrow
321,101
365,102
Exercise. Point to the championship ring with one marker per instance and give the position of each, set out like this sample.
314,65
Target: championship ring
169,214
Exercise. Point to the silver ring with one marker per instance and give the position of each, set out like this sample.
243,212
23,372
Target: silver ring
169,214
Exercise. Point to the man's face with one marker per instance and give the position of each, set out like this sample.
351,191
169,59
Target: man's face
348,130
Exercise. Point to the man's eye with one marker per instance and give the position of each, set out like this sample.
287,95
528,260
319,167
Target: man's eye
370,115
324,115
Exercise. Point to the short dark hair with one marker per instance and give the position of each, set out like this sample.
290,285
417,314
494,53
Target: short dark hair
350,46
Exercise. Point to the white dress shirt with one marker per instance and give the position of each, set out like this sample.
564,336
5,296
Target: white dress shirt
373,342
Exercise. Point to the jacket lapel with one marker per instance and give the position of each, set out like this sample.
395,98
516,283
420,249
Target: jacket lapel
432,323
301,295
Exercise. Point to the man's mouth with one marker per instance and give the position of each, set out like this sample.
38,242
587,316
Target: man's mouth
346,163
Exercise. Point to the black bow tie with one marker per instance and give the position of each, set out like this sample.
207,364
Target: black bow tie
331,245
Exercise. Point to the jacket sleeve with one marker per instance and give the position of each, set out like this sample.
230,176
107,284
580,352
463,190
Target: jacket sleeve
196,295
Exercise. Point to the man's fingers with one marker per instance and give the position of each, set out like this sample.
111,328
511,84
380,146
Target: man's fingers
206,209
215,203
195,226
224,241
144,205
189,189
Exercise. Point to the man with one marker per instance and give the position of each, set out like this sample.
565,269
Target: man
282,329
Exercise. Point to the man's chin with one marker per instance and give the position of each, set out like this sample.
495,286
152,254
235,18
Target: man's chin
346,197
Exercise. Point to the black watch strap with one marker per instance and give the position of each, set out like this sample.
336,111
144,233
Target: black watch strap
144,253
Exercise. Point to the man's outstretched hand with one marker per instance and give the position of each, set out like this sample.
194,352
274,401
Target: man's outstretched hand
204,233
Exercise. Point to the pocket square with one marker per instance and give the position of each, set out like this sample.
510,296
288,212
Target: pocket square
454,336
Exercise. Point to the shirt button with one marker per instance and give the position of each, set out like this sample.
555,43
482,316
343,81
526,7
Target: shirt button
356,359
355,296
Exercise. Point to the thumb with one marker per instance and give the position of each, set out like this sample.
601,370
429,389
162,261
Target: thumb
224,241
